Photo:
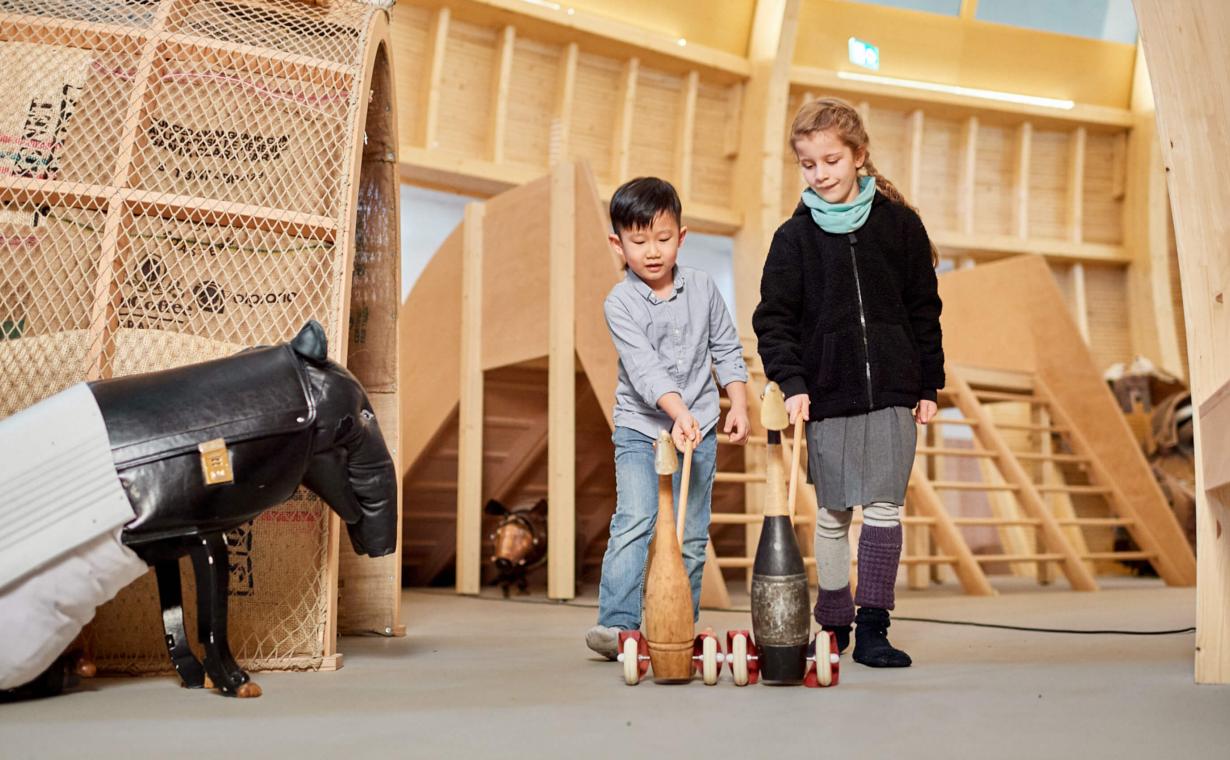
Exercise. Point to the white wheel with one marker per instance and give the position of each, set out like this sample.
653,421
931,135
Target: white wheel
709,660
824,664
632,662
738,659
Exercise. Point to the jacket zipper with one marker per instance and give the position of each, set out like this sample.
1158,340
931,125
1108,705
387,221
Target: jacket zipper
862,317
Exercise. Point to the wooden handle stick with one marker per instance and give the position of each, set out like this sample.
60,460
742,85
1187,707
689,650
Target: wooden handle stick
794,466
684,478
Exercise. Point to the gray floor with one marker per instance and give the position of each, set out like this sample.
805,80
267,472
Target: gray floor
488,678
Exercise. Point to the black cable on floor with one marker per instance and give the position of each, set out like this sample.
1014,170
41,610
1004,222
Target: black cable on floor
934,621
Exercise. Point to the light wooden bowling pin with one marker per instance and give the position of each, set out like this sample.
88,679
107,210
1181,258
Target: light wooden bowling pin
668,623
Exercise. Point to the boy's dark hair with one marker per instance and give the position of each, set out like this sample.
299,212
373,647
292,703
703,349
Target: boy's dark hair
638,202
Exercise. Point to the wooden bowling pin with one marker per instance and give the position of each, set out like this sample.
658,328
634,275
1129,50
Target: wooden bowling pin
667,616
781,609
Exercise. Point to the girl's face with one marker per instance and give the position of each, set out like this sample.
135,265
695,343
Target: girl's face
829,166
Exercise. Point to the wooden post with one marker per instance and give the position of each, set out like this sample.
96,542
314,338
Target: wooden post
561,120
685,137
499,92
969,181
1076,185
470,406
429,103
1080,301
913,155
626,100
561,387
1020,206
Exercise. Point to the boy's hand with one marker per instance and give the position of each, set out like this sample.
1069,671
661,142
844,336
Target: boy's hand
737,425
686,429
925,411
797,405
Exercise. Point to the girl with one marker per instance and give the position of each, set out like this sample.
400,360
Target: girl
849,327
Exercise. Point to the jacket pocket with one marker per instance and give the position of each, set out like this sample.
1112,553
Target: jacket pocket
894,359
841,362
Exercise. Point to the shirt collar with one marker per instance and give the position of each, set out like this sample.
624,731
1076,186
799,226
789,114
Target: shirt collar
647,292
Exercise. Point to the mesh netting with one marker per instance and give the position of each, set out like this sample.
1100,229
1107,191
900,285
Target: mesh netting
175,183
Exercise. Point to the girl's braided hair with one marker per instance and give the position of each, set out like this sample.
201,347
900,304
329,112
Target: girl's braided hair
824,114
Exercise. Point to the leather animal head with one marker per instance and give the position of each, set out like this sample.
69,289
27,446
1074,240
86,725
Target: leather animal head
520,538
350,467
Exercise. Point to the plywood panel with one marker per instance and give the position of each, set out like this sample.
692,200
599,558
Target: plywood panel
993,180
1176,294
594,112
886,130
712,169
515,273
659,98
792,176
1106,298
1103,213
1048,185
465,89
531,99
939,181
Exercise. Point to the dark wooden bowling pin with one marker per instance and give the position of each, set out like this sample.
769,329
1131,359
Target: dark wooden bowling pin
668,623
781,609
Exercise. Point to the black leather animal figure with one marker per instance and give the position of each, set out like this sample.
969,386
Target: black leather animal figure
520,542
286,415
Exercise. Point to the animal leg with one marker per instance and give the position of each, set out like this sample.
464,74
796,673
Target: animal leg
209,561
170,596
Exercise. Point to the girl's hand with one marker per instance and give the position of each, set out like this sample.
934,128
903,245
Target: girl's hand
798,405
925,411
737,425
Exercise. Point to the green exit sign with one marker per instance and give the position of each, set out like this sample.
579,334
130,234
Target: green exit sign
863,53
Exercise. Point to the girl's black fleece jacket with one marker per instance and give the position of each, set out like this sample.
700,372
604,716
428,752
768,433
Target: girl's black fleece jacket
852,320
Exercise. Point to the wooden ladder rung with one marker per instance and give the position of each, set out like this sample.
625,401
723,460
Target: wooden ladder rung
1036,456
752,440
1072,489
738,477
1119,555
1002,396
929,559
1090,522
942,420
941,451
996,522
959,485
1018,557
1030,426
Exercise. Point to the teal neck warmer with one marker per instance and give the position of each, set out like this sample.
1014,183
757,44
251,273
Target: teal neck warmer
840,218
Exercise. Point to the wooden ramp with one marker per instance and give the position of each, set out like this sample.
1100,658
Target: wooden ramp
513,379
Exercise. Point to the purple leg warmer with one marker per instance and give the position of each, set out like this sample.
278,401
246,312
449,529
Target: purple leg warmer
835,608
879,553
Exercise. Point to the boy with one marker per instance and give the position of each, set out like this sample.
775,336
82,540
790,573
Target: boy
673,333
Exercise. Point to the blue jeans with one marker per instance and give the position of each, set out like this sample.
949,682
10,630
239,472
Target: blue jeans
632,525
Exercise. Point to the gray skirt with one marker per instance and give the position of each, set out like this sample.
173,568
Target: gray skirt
862,459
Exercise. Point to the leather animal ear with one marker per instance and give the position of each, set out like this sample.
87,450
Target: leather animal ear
495,508
311,343
540,508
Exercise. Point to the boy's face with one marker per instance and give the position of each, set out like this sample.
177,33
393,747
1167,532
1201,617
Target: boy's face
829,166
651,251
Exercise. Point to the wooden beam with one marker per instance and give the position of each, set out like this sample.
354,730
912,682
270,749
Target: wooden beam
968,189
1076,184
499,92
621,150
561,117
1020,180
561,387
988,435
429,103
1080,300
913,155
734,114
685,137
470,407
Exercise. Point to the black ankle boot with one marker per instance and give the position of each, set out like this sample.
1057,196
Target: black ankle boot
841,633
871,645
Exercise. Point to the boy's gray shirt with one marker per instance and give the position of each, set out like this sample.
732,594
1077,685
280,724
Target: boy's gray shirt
672,344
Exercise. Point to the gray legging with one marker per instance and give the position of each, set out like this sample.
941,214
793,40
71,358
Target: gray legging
833,539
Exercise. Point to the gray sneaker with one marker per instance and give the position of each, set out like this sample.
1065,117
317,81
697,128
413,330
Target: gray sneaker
603,640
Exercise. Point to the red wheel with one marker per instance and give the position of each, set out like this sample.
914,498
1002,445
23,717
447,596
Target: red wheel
707,656
743,657
824,661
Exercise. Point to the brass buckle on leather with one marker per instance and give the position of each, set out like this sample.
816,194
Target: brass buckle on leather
215,462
